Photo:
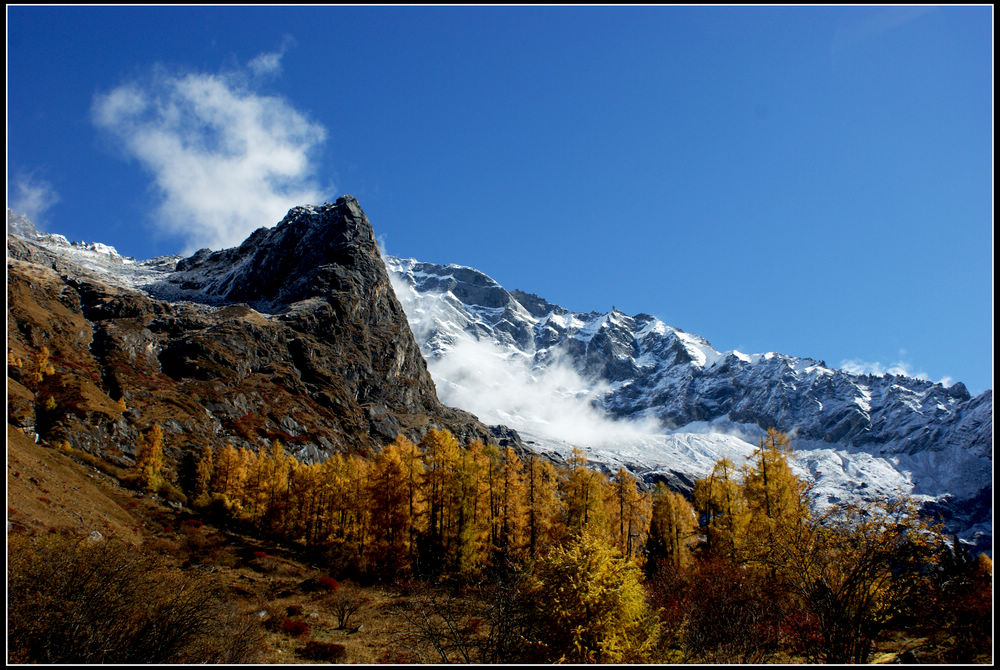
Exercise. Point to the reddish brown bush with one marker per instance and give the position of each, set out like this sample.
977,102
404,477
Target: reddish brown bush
327,583
473,625
393,657
295,627
324,651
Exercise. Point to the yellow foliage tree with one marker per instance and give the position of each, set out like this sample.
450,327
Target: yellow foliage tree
855,567
227,479
204,470
149,458
441,457
390,509
719,501
544,506
671,529
43,366
775,497
589,606
583,495
510,540
628,511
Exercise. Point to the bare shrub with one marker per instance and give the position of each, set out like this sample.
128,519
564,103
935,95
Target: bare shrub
731,615
345,602
484,623
73,601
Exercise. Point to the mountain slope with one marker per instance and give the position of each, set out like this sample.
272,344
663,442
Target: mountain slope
665,403
301,334
306,344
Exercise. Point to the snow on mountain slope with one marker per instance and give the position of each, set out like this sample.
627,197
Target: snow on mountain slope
100,260
633,391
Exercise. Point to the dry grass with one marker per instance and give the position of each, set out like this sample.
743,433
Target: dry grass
50,491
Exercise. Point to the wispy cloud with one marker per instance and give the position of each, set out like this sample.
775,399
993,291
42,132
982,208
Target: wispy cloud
269,63
900,367
225,158
33,197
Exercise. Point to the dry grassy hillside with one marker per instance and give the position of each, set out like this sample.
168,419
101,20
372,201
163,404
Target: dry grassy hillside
295,605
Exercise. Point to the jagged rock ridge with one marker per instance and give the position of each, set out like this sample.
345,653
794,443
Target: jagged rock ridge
857,435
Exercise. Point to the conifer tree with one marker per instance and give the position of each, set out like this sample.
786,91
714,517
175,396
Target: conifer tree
671,528
471,543
149,458
544,506
628,510
390,511
441,456
589,606
775,497
583,494
511,537
719,501
413,473
204,470
227,479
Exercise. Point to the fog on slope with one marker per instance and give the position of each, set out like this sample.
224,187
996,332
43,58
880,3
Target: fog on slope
555,408
502,387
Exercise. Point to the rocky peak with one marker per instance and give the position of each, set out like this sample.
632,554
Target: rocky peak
315,251
325,360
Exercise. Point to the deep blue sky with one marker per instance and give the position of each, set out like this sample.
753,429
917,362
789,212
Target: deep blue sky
810,180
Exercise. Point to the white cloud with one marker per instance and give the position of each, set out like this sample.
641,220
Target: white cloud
269,63
266,63
225,158
502,386
859,367
32,197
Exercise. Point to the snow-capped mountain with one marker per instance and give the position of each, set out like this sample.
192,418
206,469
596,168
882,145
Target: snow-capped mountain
633,391
630,391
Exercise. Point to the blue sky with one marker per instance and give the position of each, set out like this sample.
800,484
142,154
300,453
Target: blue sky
810,180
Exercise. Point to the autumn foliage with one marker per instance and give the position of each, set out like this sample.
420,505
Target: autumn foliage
433,509
559,562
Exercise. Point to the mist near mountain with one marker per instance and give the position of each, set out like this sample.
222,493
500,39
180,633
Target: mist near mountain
633,392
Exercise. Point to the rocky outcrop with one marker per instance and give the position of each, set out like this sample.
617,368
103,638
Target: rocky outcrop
294,335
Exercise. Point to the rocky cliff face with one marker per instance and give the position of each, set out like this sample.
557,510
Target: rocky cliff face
295,335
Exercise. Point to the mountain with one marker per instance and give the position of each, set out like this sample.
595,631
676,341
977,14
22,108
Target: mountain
294,335
664,403
304,333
